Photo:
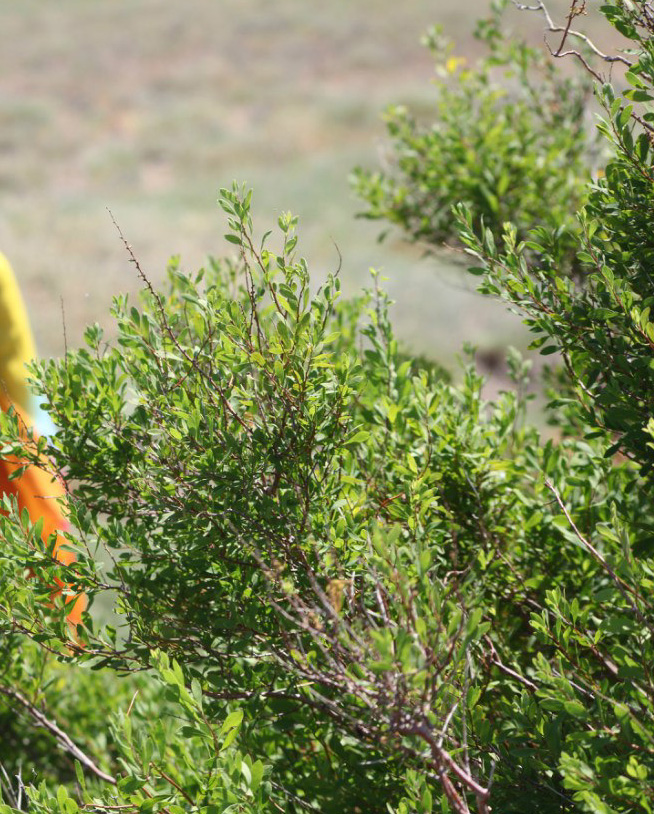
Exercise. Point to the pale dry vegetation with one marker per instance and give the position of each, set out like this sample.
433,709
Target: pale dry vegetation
148,107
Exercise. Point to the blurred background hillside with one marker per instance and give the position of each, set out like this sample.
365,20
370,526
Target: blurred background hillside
148,107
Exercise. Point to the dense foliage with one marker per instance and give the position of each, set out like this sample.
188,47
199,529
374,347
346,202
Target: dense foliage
343,583
509,139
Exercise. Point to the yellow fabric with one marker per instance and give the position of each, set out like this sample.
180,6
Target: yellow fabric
16,341
35,489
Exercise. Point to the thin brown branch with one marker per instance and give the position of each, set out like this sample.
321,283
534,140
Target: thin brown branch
443,763
629,593
495,659
62,738
164,324
568,32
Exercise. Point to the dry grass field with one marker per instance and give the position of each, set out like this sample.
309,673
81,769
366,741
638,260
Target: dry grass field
147,107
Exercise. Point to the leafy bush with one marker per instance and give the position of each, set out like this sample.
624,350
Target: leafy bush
390,594
510,139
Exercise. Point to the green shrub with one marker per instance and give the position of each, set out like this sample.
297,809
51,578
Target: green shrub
510,139
402,597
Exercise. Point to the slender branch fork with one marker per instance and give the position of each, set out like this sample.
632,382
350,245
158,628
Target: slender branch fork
576,8
15,798
444,764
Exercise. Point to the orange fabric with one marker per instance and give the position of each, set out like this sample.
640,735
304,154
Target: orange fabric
37,492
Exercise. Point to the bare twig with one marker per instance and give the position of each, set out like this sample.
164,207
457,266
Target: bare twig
13,797
62,738
63,325
443,763
568,32
629,593
495,659
164,324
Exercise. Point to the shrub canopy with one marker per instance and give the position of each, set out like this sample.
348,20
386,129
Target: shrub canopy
343,583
